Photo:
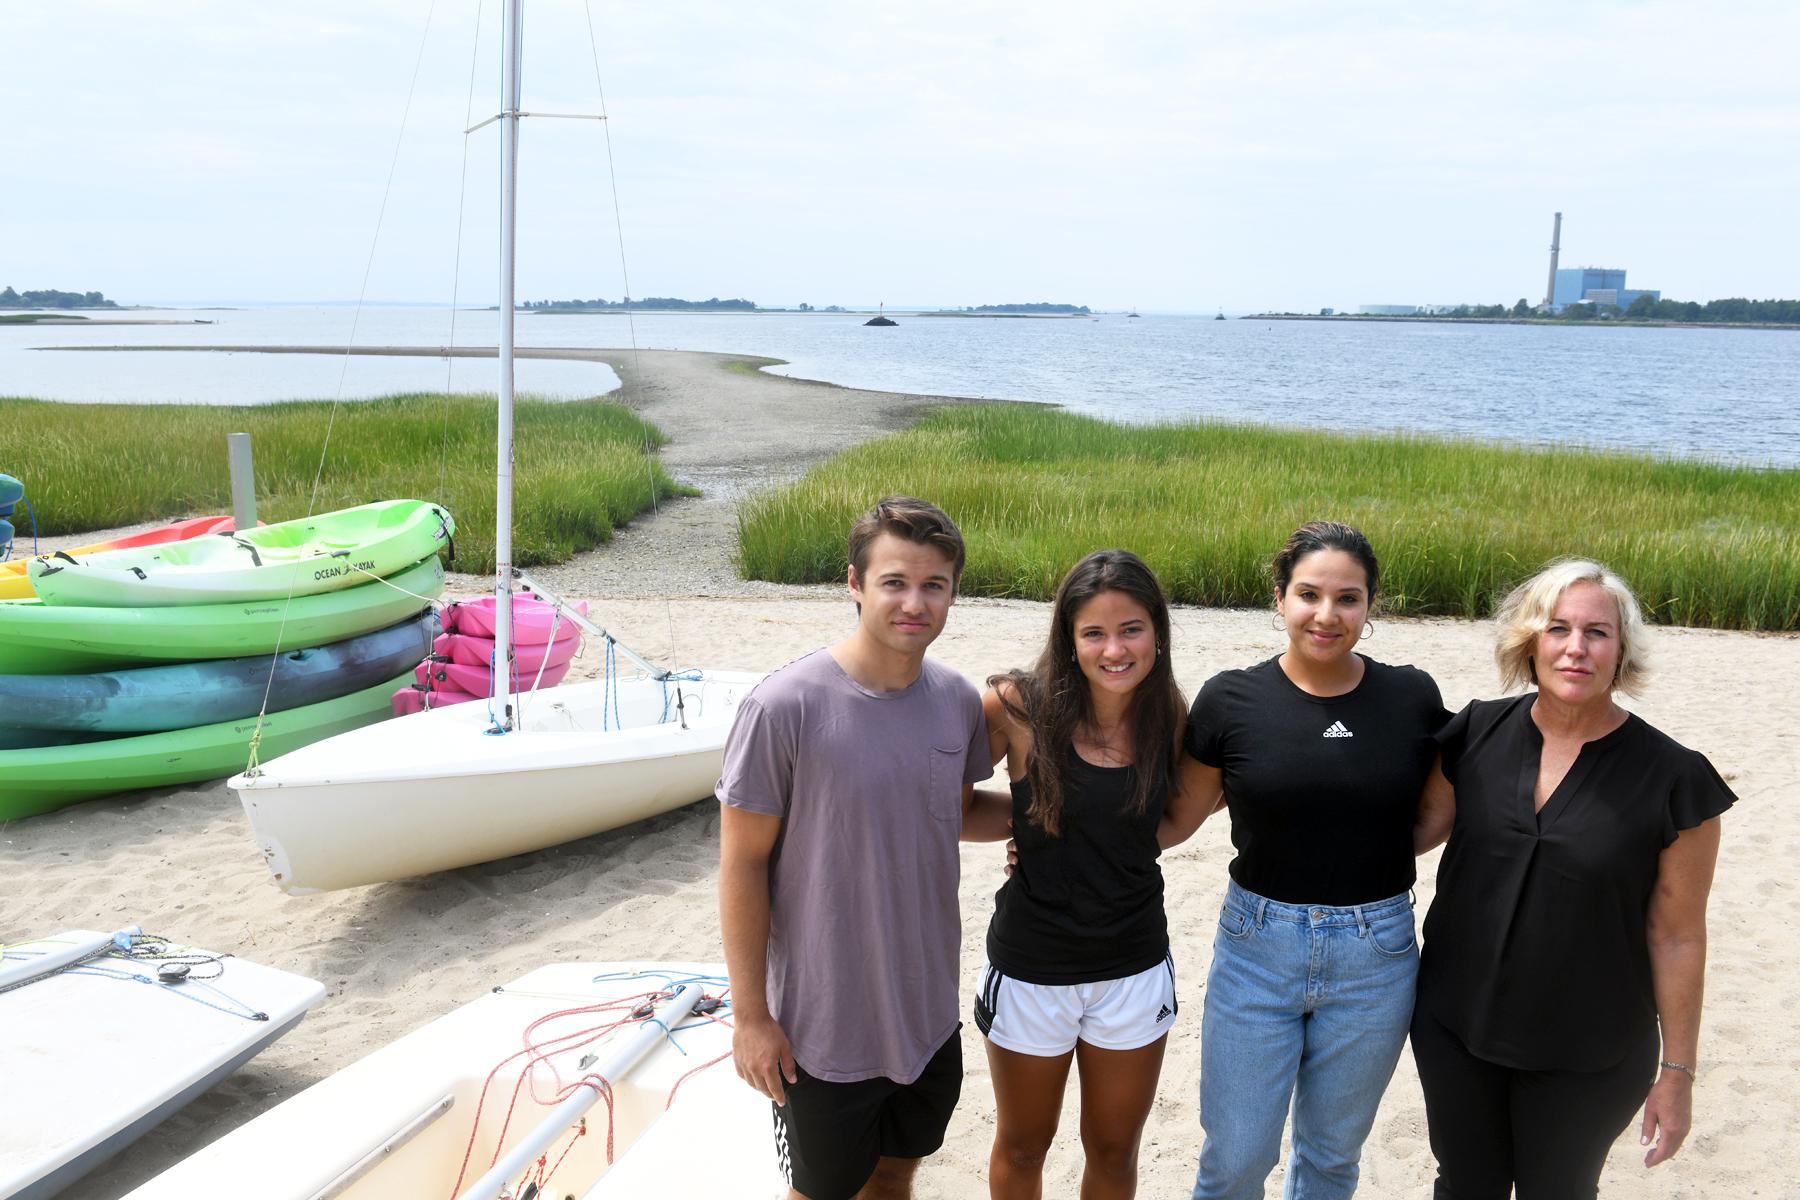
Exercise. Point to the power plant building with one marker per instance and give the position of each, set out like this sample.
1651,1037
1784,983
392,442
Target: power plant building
1603,287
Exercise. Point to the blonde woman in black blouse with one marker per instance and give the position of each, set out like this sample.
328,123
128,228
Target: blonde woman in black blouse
1560,983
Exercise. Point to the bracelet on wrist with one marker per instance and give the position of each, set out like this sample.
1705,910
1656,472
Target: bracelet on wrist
1675,1066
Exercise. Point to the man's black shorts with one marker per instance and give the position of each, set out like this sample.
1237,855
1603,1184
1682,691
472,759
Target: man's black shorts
829,1135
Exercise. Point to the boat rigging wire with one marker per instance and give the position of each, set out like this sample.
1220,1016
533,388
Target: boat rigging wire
252,756
612,175
462,197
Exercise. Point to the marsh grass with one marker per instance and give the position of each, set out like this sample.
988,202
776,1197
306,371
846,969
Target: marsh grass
1456,523
581,467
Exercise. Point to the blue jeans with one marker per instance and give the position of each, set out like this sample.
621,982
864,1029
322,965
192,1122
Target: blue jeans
1306,1002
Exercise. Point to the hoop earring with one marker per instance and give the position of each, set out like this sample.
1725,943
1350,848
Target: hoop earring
1278,624
1368,631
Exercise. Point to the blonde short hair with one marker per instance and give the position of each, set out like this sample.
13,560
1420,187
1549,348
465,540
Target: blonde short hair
1526,612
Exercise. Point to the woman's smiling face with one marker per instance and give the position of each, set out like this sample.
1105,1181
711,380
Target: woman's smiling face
1326,605
1115,642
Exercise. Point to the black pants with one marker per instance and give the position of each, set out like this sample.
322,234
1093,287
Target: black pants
1546,1131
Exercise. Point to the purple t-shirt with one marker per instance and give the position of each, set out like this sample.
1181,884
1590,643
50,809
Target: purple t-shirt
864,929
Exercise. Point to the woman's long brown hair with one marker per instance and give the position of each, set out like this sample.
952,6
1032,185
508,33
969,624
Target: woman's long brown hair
1053,699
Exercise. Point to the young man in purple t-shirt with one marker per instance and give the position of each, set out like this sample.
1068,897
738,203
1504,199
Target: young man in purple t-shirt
848,776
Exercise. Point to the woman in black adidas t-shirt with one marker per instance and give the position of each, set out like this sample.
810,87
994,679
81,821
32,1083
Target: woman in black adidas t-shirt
1321,754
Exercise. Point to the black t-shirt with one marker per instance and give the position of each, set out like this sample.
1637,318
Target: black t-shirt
1536,947
1323,790
1087,905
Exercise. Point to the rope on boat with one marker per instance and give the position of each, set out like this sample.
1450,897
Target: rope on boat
618,1013
689,676
390,583
183,981
609,692
543,663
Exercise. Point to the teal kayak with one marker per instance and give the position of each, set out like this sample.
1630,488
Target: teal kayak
42,709
40,780
322,553
11,492
45,639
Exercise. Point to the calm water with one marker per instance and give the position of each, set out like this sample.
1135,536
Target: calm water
1731,394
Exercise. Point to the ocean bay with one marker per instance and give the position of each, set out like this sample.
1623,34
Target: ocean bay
1721,394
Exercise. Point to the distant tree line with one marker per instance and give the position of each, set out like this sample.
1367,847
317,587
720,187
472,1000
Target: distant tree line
53,299
649,302
1082,309
1732,311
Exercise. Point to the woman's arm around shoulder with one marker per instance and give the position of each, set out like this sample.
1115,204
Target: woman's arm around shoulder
987,812
1198,793
1437,811
1677,935
1008,738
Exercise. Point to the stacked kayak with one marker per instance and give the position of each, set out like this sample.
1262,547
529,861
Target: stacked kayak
461,667
39,779
310,556
11,492
172,665
43,639
16,585
161,698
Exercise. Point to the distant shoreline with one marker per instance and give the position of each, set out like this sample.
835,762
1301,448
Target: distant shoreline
55,317
1596,323
1007,316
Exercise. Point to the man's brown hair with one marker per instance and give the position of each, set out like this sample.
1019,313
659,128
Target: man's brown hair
914,520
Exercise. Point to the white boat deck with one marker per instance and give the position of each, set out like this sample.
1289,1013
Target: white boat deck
97,1054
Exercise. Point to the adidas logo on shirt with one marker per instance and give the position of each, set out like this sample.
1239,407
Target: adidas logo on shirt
1164,1015
1337,730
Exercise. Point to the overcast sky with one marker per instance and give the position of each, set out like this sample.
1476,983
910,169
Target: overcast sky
1179,157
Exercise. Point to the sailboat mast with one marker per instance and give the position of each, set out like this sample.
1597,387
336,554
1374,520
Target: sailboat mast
503,497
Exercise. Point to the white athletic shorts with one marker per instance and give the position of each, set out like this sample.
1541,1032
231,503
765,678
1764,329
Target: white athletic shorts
1047,1020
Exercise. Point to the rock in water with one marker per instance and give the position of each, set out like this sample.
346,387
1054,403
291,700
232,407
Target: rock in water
880,321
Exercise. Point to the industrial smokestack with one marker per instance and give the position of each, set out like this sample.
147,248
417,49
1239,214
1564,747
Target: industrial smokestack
1555,250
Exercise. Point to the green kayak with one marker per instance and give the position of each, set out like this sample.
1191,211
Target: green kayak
45,639
48,777
325,552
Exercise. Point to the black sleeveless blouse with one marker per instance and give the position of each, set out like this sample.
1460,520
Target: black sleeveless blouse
1536,947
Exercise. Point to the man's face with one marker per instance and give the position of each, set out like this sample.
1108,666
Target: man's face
905,592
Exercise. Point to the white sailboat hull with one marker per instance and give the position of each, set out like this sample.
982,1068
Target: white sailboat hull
432,791
98,1055
403,1121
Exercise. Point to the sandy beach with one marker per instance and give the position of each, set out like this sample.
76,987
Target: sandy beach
180,862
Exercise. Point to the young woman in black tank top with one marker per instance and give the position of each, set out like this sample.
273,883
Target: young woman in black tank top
1078,950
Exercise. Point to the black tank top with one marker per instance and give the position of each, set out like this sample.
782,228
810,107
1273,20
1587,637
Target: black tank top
1086,906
